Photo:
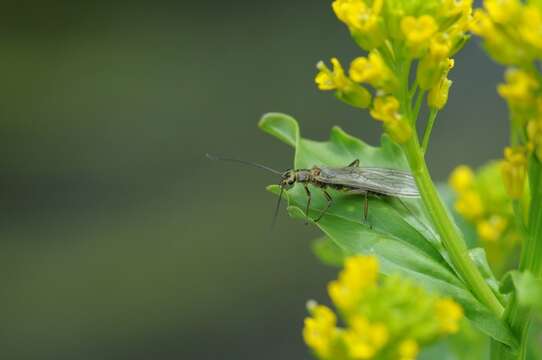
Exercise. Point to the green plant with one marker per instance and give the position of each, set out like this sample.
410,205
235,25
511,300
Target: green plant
409,46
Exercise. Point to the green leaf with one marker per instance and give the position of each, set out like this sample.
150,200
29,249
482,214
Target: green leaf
478,255
328,252
467,344
397,231
281,126
527,287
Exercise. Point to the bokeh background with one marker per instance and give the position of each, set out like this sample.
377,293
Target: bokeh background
119,239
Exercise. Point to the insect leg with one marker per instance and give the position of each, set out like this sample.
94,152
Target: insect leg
366,207
328,204
354,163
308,203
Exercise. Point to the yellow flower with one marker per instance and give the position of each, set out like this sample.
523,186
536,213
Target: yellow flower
320,330
346,90
357,348
519,86
534,134
398,130
438,95
357,15
502,11
408,349
360,272
343,297
377,327
386,108
432,73
514,170
331,80
364,339
461,179
451,8
492,228
345,9
484,201
440,46
372,70
531,26
449,314
482,25
469,205
379,335
419,30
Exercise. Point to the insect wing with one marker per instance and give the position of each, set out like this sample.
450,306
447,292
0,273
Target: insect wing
383,181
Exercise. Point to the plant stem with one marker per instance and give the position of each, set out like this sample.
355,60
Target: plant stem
519,321
452,239
516,316
533,246
428,129
448,231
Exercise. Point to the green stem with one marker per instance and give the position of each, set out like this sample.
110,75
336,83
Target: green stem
404,95
530,260
519,320
533,246
449,233
428,129
446,228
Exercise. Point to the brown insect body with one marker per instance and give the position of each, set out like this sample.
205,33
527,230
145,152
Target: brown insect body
353,180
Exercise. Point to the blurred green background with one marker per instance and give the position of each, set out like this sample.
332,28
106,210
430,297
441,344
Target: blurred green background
119,239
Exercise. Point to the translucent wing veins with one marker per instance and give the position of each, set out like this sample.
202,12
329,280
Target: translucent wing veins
383,181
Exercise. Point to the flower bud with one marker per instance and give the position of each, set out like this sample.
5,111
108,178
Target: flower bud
438,95
514,170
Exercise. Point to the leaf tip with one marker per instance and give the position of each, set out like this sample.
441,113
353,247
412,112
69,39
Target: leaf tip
282,126
273,189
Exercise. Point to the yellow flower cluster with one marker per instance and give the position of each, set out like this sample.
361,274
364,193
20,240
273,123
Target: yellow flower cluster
449,313
346,89
511,29
514,170
395,33
320,331
512,34
469,202
534,134
374,71
483,200
519,88
386,318
477,204
386,109
359,274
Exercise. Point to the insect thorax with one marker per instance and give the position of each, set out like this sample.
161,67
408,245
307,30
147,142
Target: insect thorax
303,176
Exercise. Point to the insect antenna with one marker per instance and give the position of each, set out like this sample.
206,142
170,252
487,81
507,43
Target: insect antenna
277,208
212,157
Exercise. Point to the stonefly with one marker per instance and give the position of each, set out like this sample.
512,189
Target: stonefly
351,179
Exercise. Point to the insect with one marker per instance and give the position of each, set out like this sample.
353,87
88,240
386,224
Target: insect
352,179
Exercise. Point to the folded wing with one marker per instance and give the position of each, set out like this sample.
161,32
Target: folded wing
383,181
